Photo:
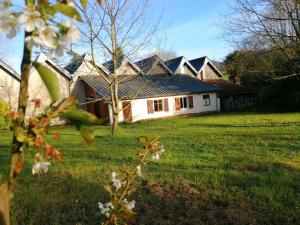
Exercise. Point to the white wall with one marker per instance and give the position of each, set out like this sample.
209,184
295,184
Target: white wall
140,109
38,90
9,89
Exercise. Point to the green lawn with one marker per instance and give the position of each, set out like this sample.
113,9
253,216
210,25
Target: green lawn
218,169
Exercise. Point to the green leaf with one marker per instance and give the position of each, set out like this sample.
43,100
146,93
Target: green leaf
84,3
65,104
50,80
80,117
87,133
68,11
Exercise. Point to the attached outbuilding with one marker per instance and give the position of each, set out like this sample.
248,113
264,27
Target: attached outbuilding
233,97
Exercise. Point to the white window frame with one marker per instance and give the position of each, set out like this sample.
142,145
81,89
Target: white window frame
182,101
162,105
206,101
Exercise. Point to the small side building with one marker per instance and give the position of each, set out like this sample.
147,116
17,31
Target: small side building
233,97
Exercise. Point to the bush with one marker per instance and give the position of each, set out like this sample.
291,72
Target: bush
5,121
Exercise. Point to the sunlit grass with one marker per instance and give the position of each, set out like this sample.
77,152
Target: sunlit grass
245,168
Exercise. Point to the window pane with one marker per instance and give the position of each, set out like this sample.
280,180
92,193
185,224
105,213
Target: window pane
155,106
185,102
206,99
158,106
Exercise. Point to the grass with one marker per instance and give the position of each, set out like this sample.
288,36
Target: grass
218,169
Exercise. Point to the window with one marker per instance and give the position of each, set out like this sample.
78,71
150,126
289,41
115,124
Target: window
206,100
183,103
158,105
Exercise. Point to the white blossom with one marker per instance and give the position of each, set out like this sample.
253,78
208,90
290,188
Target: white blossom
59,49
116,182
33,41
129,205
40,168
4,5
155,156
47,36
72,34
161,149
9,25
71,4
139,170
31,19
106,209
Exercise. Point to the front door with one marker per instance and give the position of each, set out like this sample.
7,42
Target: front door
127,114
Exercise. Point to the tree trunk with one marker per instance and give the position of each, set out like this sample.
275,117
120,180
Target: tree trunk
4,205
17,157
115,123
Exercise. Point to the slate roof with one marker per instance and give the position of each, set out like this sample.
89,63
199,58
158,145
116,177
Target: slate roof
198,63
174,63
74,64
228,88
109,64
151,86
146,64
9,70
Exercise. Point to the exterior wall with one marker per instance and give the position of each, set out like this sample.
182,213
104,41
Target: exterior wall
9,89
209,73
140,109
158,69
126,70
37,90
237,102
85,69
79,89
185,70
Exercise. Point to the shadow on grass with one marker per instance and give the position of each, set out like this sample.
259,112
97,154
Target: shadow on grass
57,199
63,198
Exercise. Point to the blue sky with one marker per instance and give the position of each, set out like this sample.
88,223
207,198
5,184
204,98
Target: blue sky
192,28
188,27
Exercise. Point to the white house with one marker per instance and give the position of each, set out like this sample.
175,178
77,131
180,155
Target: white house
125,67
9,85
38,90
181,65
150,89
153,65
206,69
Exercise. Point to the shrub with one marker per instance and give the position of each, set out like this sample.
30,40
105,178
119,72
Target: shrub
5,121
